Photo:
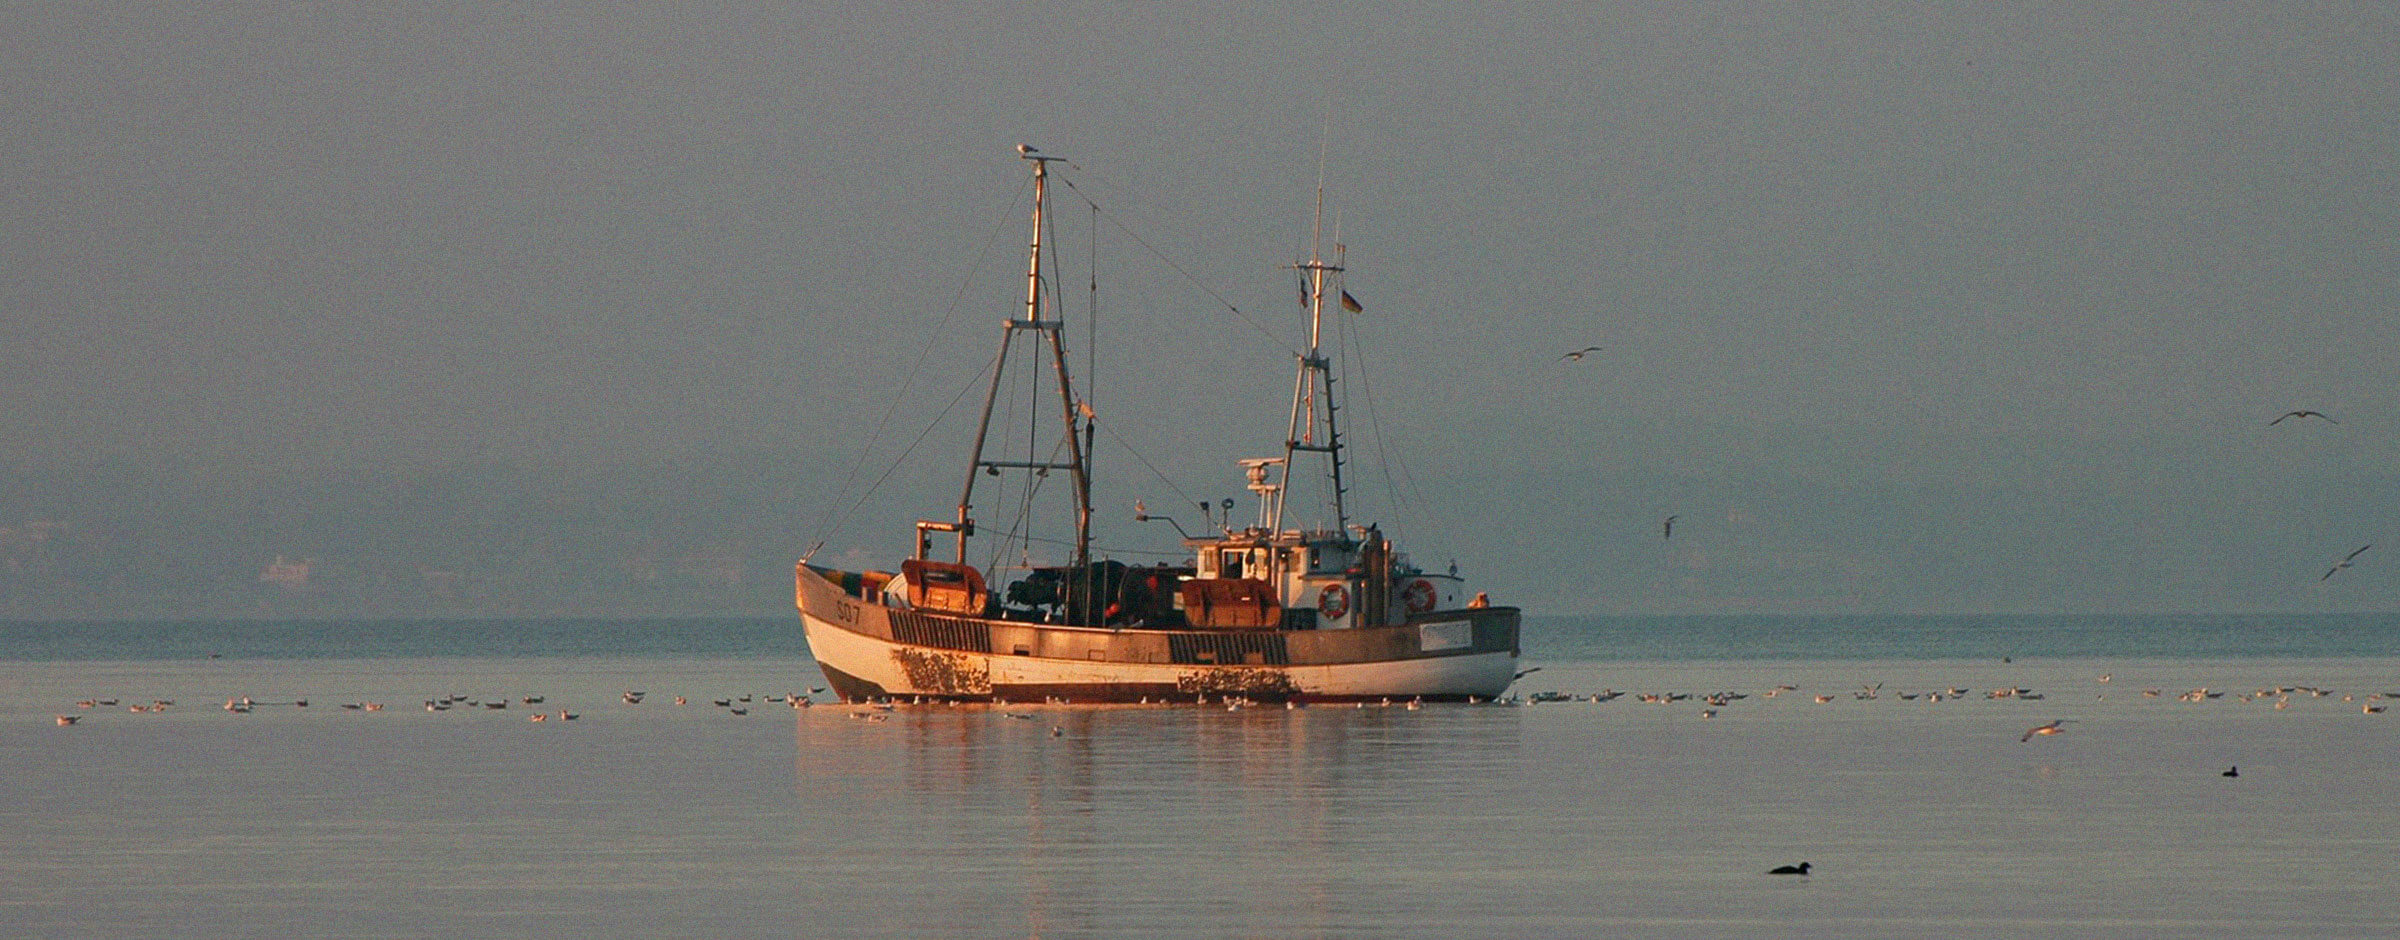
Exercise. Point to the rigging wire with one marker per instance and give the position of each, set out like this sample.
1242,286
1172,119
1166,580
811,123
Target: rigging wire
902,460
1020,530
957,299
1405,492
1091,323
1115,551
1145,462
1008,397
1354,351
1027,392
1179,269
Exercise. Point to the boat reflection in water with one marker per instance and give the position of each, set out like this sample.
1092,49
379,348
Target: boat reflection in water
1134,819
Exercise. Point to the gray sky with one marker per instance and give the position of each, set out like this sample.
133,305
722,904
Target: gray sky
1927,307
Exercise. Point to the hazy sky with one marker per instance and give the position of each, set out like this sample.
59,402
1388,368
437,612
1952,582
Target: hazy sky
1963,306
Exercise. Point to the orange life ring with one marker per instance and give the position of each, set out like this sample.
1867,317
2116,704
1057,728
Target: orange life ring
1334,601
1419,596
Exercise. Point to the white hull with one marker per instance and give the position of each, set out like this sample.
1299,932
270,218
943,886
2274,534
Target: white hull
862,665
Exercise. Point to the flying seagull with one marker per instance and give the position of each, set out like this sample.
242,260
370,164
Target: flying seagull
2052,728
1667,529
2344,563
2302,414
1577,356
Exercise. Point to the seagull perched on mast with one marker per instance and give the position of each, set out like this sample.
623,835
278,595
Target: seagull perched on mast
1577,356
2344,563
2302,414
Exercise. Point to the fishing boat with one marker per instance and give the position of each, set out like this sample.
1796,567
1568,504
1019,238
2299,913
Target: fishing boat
1263,611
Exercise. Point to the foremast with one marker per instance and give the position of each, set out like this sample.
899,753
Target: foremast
1076,438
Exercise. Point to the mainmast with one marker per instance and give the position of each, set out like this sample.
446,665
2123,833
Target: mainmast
1077,460
1313,428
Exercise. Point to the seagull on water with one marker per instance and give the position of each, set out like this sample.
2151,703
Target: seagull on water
1577,356
1800,869
2345,562
2054,727
2288,415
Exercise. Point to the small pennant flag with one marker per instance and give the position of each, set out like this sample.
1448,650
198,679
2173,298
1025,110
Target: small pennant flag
1303,295
1350,303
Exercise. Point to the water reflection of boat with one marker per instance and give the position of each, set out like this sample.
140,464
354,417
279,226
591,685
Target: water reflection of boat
1268,610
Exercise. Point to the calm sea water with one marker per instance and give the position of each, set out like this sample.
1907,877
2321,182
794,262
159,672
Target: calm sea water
1555,819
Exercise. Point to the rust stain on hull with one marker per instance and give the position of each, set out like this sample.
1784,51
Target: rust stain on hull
940,672
1089,693
1253,683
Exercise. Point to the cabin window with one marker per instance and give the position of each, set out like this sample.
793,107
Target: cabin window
1229,563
